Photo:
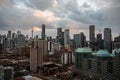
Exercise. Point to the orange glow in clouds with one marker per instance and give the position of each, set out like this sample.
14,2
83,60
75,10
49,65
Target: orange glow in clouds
48,16
36,28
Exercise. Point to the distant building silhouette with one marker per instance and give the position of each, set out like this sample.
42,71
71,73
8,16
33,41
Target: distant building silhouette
43,32
100,41
92,36
9,35
107,39
60,36
79,40
66,38
117,42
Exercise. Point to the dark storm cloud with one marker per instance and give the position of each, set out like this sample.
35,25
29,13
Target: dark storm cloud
112,18
14,16
87,17
83,13
18,14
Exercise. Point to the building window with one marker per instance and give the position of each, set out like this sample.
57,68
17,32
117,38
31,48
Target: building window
89,64
98,66
32,44
79,60
86,55
109,67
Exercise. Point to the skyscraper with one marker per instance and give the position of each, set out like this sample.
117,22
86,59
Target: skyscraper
9,35
60,36
107,39
117,42
92,36
100,41
20,41
79,40
66,38
43,32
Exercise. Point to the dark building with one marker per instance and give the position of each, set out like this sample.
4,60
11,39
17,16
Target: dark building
92,36
71,43
3,43
60,36
43,32
116,42
107,39
9,35
100,41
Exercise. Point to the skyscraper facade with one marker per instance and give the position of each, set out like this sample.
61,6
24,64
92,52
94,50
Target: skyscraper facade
66,38
107,39
92,36
117,42
79,40
20,41
100,41
60,36
43,32
9,35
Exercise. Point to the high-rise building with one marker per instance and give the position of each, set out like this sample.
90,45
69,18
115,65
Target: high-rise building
107,39
100,41
32,33
92,36
13,35
9,35
18,32
4,42
60,36
79,40
72,43
116,42
66,38
38,53
43,32
20,41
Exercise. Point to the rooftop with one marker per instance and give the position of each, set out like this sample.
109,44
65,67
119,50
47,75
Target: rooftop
118,50
84,50
103,53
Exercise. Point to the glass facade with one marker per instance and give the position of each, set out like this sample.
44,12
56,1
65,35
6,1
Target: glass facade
79,60
99,66
89,64
109,67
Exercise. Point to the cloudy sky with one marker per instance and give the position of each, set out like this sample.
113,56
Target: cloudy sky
75,15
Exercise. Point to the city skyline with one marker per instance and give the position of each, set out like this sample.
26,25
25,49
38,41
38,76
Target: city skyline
74,15
59,39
